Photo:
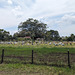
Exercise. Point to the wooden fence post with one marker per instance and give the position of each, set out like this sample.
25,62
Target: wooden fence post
2,56
32,56
69,60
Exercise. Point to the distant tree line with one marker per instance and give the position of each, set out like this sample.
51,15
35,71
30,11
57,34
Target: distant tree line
34,29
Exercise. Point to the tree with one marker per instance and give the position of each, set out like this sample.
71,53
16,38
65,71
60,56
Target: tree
15,36
71,38
4,35
52,35
33,28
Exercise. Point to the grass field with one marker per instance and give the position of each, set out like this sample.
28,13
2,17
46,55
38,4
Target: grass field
41,47
21,69
31,69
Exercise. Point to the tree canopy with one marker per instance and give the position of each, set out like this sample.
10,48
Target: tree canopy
52,35
33,28
4,35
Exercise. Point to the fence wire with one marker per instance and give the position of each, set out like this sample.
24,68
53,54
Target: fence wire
39,57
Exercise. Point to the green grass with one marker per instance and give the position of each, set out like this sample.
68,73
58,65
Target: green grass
36,47
42,50
28,69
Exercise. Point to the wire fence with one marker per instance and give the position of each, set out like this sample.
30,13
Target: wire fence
37,57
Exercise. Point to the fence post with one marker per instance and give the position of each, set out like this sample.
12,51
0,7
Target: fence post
32,56
2,56
69,60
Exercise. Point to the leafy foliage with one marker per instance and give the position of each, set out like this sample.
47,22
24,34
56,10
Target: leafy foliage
52,35
33,28
4,35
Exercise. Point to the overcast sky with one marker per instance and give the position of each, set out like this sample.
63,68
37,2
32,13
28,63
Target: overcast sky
57,14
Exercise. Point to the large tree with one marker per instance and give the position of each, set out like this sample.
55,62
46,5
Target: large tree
52,35
33,28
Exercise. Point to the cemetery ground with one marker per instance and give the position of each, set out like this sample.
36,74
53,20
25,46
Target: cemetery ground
7,68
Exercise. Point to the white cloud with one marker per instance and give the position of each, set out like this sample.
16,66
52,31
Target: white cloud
67,19
65,24
17,11
10,2
7,19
